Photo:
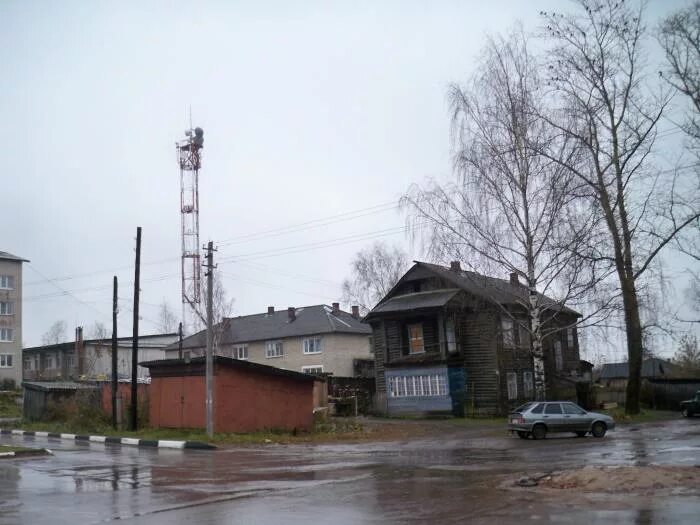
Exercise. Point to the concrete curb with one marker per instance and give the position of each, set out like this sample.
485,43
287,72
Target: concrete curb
149,443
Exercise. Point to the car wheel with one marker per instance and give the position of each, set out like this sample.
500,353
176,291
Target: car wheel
522,434
599,429
686,412
539,431
581,434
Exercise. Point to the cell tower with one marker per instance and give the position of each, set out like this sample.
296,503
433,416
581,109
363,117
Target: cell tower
189,152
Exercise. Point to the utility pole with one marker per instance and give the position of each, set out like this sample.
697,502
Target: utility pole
115,362
210,339
135,338
179,345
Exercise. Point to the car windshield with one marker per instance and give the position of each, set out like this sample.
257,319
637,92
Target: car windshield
524,407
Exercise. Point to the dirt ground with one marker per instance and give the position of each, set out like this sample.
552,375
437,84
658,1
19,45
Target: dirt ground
625,479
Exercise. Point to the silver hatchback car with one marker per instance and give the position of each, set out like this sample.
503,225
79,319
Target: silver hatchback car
537,418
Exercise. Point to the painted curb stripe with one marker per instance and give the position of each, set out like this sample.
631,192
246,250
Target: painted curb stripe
151,443
7,454
171,444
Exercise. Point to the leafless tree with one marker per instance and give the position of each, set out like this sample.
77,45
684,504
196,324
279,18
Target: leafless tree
687,355
513,209
222,306
55,334
99,331
679,37
375,270
607,106
167,320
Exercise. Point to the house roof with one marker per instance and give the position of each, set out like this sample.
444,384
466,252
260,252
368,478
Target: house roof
416,301
498,290
229,362
309,320
9,257
46,386
145,341
653,367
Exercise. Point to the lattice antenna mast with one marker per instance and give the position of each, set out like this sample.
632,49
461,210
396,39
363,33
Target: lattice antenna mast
189,153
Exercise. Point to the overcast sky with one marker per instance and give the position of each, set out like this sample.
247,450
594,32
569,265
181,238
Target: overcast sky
310,110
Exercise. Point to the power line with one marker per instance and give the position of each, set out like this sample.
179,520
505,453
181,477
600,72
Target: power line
65,292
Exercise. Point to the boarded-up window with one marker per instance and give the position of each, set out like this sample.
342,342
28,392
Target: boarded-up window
415,339
558,356
528,384
450,335
508,329
512,380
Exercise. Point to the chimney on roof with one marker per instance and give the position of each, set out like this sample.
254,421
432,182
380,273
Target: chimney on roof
292,313
455,266
356,311
336,308
514,279
270,310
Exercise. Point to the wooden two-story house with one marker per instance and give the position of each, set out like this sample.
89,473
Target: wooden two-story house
453,341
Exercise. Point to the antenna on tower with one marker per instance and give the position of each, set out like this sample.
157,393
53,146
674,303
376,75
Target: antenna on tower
189,154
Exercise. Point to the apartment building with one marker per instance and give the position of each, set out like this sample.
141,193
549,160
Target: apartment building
10,319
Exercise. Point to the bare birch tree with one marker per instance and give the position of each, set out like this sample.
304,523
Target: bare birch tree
375,271
606,105
513,209
167,320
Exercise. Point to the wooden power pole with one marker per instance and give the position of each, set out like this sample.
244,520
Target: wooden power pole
135,339
115,361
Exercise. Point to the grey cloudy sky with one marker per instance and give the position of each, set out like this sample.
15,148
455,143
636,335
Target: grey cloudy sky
310,110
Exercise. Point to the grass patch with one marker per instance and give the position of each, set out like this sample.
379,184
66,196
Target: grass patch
644,416
8,406
8,448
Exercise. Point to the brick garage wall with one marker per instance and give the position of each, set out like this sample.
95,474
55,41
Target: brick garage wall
246,401
124,392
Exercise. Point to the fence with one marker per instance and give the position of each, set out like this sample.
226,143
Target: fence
668,393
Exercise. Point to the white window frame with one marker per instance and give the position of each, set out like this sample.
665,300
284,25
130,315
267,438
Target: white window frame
528,384
274,349
512,385
7,335
558,356
49,362
570,340
6,361
313,342
312,369
240,352
7,308
508,329
412,385
7,282
27,363
70,361
410,339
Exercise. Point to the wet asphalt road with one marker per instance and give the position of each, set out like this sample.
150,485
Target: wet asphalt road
451,477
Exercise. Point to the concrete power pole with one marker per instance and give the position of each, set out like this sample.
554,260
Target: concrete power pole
210,339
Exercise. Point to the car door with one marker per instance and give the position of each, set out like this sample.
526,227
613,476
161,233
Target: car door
553,417
575,419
